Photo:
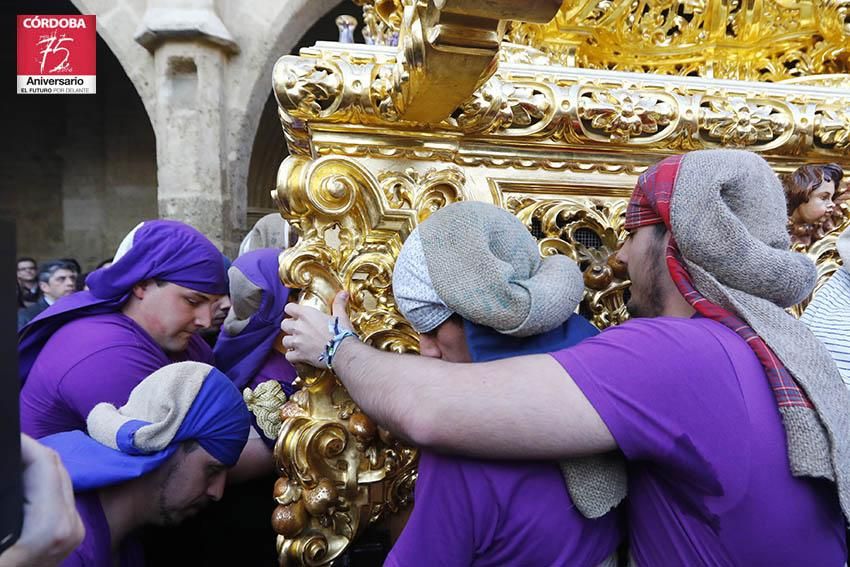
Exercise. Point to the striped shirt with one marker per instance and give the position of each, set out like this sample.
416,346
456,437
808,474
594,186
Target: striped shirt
828,317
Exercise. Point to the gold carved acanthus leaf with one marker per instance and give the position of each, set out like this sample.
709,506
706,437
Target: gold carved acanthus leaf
771,40
738,122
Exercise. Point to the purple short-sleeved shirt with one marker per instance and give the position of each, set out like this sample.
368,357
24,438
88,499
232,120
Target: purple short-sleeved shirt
709,482
96,548
94,359
471,512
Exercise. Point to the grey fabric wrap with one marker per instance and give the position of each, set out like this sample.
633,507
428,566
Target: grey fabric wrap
245,297
413,290
728,218
514,290
271,231
597,484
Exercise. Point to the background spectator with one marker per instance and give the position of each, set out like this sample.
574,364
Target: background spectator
56,279
78,269
28,291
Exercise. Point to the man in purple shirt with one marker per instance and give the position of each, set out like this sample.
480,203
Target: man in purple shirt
158,459
495,512
732,416
140,314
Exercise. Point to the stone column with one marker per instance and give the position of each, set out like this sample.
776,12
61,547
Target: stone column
191,47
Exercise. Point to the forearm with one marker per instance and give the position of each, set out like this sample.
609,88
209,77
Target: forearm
524,407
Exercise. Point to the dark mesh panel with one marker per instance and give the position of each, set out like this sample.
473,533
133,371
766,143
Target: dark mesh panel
589,238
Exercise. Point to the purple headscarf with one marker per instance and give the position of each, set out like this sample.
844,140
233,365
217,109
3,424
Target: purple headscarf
165,250
241,355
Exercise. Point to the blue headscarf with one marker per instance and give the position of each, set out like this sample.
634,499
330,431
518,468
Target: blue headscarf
487,344
242,349
165,250
179,402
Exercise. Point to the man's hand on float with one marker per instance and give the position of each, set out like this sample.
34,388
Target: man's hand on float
308,330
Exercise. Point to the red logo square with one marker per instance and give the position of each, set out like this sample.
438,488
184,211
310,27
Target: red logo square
56,52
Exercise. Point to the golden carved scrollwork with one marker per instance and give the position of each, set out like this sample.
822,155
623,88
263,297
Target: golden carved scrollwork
338,470
589,231
623,115
832,128
773,40
738,122
435,38
422,192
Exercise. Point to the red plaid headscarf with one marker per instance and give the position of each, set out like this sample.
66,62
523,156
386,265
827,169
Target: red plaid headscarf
650,204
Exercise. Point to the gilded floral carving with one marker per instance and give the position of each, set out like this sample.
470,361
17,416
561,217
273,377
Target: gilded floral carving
502,106
832,128
624,114
423,192
772,40
737,121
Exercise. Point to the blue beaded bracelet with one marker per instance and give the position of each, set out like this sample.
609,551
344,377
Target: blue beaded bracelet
339,335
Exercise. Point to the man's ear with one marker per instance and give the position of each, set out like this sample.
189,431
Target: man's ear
141,288
44,287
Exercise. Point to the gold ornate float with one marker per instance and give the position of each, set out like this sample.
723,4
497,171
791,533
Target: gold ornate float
554,127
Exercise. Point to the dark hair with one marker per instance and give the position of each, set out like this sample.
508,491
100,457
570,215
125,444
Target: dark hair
47,269
800,183
26,259
74,264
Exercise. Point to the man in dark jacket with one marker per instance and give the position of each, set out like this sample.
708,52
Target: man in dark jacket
56,279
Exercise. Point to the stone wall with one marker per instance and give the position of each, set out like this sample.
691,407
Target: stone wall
81,170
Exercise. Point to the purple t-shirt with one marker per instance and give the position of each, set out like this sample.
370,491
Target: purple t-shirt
472,512
96,548
709,482
94,359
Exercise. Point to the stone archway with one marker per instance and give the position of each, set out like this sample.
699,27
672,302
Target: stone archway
83,166
116,24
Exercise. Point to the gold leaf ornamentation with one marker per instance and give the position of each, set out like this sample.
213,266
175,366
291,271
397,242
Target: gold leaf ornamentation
738,122
624,114
832,128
